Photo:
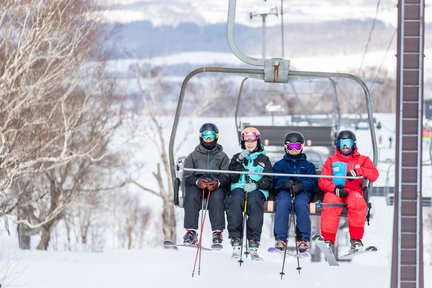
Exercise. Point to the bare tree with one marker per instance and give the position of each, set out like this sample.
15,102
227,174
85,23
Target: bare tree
57,107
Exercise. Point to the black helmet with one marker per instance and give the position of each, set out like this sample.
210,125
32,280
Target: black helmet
346,134
209,127
294,137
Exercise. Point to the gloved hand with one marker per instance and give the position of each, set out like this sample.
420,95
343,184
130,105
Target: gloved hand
354,173
213,185
248,187
297,188
202,183
340,192
243,154
288,185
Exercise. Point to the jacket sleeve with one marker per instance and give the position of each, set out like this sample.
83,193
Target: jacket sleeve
266,182
223,178
235,166
279,180
189,177
326,184
310,184
368,170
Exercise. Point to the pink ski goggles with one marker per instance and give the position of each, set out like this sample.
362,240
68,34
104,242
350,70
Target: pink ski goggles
294,146
249,136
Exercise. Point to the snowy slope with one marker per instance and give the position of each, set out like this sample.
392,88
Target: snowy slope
170,268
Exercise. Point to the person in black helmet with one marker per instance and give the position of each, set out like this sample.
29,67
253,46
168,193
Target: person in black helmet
347,161
293,162
208,155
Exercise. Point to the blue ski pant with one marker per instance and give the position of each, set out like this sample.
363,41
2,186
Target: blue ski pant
283,213
255,213
193,204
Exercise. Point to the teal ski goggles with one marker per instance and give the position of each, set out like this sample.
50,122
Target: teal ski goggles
345,142
208,134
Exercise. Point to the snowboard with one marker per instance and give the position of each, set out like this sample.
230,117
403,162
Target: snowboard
319,241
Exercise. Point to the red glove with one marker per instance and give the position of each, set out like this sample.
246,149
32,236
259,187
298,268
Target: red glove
213,185
202,183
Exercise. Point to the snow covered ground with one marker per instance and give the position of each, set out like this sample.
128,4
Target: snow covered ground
167,268
173,268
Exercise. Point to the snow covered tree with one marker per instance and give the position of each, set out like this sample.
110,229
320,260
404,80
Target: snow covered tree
57,107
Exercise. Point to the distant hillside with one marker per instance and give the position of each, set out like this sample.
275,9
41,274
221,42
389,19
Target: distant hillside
142,39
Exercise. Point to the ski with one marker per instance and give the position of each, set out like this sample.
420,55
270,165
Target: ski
171,244
255,257
216,246
359,252
236,253
319,241
277,251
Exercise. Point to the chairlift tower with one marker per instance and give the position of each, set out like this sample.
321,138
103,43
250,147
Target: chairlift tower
407,257
273,11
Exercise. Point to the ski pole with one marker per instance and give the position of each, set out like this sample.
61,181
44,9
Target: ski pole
199,248
282,273
244,229
294,221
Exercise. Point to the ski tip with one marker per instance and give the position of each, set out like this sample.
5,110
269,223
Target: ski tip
371,248
168,242
317,237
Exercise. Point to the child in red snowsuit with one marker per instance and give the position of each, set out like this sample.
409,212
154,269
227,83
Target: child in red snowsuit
347,161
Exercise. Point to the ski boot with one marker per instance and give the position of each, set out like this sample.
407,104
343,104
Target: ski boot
303,246
356,245
190,238
236,245
253,250
280,244
217,240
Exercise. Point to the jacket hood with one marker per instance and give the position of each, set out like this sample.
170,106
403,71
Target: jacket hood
218,148
301,157
353,154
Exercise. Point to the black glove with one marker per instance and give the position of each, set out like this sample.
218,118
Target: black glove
340,192
297,188
288,185
201,183
352,173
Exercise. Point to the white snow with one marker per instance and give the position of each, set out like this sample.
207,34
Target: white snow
173,268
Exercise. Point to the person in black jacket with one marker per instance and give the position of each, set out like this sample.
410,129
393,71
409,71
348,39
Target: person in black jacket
253,186
207,155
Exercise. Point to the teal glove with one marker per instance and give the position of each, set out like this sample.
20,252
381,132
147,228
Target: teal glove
249,187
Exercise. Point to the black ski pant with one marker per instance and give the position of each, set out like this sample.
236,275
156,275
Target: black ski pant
193,203
254,210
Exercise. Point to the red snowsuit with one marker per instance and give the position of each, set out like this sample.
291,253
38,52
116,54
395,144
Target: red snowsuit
340,164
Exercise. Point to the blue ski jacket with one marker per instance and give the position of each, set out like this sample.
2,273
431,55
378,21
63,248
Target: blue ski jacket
295,165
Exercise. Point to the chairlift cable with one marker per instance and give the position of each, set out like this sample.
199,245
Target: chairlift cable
383,59
369,37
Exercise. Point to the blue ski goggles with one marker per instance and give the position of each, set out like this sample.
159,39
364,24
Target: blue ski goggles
345,142
208,134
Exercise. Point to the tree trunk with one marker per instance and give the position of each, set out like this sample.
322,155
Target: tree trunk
24,237
45,238
169,221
